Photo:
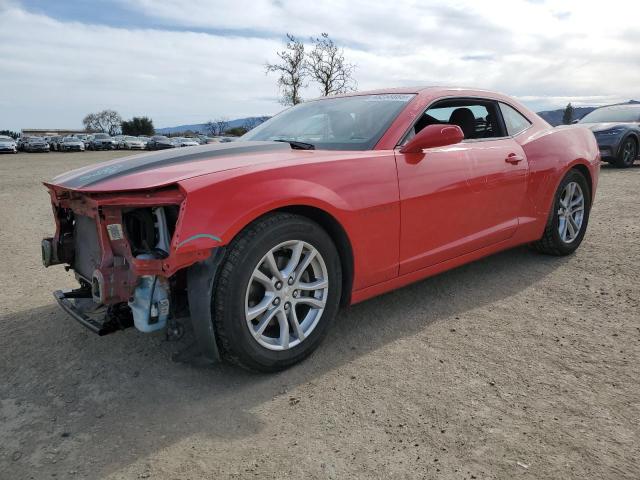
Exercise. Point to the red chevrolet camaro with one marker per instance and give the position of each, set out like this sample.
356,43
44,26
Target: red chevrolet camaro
329,203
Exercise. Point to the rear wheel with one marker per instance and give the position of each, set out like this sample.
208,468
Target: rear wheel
568,219
277,292
627,154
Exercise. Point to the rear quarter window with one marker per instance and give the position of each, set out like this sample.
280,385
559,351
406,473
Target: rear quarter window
513,119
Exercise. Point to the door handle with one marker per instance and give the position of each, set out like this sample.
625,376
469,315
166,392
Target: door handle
514,158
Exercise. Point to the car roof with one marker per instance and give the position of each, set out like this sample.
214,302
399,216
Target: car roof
429,90
621,105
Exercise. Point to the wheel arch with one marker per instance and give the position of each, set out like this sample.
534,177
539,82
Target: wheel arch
636,138
584,170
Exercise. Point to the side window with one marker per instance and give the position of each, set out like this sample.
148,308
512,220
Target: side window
514,120
477,118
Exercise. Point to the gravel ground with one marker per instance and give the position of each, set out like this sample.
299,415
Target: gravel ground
516,366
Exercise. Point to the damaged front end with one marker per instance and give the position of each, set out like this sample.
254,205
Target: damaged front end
131,264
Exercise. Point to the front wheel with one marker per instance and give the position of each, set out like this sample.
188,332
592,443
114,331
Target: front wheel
568,219
277,292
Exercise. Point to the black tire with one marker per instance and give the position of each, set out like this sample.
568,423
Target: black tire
551,243
627,154
236,343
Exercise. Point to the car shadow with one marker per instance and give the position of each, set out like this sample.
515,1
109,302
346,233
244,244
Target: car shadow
607,167
68,389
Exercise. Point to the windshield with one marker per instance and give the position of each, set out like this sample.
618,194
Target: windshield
4,138
613,114
35,139
344,123
131,139
101,135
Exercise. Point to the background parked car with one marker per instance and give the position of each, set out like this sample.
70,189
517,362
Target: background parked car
617,130
102,141
53,142
118,139
8,144
132,143
87,141
21,142
159,142
36,144
70,144
185,142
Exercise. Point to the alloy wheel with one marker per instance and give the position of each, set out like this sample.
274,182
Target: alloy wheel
570,212
629,152
286,295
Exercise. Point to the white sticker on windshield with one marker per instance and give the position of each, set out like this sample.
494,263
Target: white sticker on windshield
390,97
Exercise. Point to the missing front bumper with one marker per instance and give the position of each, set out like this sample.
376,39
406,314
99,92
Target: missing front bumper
99,322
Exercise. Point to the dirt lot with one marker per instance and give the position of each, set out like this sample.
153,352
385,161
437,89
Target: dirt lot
517,366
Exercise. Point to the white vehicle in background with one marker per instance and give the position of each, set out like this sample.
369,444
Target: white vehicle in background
185,142
87,141
118,139
8,144
132,143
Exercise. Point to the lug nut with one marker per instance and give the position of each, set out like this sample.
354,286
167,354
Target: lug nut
290,281
278,285
295,294
287,306
276,301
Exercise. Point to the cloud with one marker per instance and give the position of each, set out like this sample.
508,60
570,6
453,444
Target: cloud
187,63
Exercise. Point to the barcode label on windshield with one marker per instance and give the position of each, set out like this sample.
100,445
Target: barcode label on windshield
390,97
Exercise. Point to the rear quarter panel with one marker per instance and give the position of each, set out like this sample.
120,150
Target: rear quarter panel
551,153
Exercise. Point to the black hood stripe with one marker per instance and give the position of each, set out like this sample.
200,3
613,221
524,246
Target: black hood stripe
128,165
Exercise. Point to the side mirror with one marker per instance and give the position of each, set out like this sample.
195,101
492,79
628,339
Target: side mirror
433,136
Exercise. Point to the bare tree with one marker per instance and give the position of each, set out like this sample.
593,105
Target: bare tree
222,124
252,122
107,121
291,69
210,128
327,66
216,127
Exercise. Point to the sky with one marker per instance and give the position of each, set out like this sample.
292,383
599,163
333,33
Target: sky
184,62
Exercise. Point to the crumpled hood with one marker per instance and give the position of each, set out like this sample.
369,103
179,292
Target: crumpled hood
158,169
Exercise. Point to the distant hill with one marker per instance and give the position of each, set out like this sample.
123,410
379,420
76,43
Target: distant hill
201,127
554,117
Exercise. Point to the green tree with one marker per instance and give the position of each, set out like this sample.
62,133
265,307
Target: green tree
236,131
138,126
567,115
10,133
